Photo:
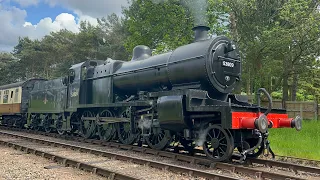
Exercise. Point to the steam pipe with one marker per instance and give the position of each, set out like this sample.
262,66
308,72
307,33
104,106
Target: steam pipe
269,100
244,153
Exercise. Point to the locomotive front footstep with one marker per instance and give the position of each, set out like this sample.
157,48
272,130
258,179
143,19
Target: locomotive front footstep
180,97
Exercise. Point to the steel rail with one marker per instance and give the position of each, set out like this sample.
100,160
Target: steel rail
69,162
310,161
150,163
180,157
294,167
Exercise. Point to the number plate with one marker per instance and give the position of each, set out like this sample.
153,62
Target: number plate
227,64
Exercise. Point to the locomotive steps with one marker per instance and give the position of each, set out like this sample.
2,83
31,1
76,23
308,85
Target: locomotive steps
259,172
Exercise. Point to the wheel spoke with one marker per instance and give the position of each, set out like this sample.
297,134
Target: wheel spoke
223,152
222,138
223,144
219,135
214,133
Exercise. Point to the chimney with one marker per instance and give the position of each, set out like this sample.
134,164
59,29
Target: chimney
200,33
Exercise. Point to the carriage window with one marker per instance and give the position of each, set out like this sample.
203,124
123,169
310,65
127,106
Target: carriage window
11,95
16,95
5,97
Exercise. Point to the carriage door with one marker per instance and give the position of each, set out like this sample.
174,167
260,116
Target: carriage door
11,100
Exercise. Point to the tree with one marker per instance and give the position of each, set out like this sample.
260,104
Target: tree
161,26
7,60
30,56
275,37
295,39
112,35
60,52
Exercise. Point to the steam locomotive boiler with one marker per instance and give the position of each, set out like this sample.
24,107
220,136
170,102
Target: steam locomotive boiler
182,96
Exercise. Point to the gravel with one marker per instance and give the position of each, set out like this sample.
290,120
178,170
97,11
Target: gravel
19,165
137,155
36,172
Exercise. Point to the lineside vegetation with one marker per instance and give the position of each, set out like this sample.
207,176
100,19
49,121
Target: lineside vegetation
304,144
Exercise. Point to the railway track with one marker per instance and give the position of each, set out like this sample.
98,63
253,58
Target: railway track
37,144
257,172
310,162
69,162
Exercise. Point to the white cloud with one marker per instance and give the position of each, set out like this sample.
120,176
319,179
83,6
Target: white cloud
13,22
95,9
83,17
14,25
47,25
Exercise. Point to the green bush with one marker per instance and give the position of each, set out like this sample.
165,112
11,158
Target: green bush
276,95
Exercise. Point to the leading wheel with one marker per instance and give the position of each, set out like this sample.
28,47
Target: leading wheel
218,144
159,139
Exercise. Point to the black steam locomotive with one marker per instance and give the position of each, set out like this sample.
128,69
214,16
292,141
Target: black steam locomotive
181,96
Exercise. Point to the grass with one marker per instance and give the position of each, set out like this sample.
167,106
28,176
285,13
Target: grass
301,144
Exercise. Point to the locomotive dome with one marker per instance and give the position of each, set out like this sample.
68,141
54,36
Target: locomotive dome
141,52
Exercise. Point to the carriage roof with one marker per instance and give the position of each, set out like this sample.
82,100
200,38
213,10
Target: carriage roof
18,84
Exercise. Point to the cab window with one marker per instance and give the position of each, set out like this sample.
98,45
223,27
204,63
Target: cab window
72,76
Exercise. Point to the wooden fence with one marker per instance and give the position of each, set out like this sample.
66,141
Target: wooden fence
308,110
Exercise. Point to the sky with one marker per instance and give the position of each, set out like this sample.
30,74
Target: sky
37,18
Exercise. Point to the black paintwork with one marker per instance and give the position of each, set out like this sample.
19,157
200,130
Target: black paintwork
171,113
